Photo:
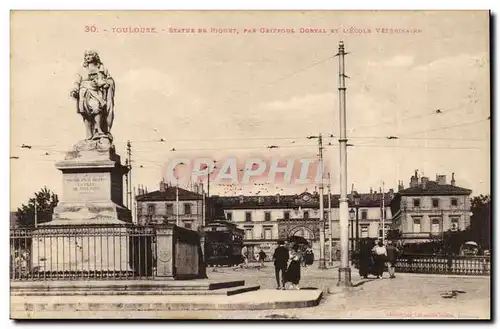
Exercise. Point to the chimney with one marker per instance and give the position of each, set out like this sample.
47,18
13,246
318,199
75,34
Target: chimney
162,186
371,190
453,179
400,185
424,180
414,180
441,179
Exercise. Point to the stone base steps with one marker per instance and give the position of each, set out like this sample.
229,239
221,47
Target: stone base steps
188,292
32,287
100,307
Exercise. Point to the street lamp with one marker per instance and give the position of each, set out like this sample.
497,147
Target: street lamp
352,214
356,204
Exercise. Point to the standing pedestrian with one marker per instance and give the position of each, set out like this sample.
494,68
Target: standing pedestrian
280,257
292,274
262,257
392,256
380,254
365,257
244,254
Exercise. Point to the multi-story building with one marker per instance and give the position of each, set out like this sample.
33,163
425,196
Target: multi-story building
428,208
266,219
161,206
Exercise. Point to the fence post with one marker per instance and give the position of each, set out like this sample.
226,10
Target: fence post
450,264
165,251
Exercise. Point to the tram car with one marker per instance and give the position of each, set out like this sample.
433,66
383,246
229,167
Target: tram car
223,244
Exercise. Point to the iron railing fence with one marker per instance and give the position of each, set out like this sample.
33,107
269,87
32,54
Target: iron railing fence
444,264
87,252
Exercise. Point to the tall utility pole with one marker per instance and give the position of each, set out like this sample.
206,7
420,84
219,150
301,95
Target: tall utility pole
203,208
177,203
344,269
126,186
383,213
134,206
330,221
36,214
129,166
321,264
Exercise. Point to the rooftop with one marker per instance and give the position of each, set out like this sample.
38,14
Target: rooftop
168,194
292,201
434,188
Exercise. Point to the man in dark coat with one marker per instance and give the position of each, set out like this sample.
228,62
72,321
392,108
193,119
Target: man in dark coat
280,257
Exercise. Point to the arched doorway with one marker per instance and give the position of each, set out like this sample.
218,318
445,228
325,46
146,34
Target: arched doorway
302,232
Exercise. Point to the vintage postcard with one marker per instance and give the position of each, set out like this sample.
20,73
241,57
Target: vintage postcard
250,165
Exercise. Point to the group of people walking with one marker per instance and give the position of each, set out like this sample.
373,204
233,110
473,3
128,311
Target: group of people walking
374,257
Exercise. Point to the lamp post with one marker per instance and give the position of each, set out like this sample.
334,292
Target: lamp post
352,214
356,204
344,279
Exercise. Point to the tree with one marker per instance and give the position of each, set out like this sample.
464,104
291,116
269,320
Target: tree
481,220
46,201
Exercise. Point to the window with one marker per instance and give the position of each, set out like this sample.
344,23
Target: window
286,215
187,208
454,202
364,231
326,215
187,225
170,209
416,202
435,203
306,214
151,209
416,225
249,233
384,233
248,216
267,216
268,233
229,216
364,214
435,226
454,224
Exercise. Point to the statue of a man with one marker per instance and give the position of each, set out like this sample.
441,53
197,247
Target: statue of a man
94,92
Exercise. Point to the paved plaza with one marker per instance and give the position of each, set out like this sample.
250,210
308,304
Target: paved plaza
415,296
408,296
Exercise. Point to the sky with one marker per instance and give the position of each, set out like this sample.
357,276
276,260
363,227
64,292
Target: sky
233,95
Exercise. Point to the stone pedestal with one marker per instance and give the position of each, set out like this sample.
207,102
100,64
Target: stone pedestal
89,227
92,186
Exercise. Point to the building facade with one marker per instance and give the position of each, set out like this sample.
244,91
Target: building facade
267,219
161,206
428,208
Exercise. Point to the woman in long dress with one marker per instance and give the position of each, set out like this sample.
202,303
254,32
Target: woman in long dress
293,270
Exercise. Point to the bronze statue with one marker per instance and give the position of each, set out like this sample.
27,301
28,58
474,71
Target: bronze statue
94,92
